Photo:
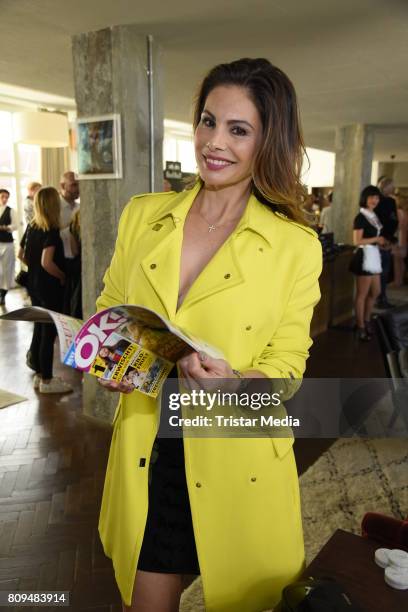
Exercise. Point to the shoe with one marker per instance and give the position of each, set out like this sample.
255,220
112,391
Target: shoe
362,335
2,297
56,385
369,329
29,362
36,381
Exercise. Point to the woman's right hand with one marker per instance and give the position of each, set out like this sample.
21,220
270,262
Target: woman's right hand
381,240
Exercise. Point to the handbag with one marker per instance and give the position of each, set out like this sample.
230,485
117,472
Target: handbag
316,595
371,259
22,277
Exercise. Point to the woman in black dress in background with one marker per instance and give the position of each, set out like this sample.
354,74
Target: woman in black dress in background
366,263
42,251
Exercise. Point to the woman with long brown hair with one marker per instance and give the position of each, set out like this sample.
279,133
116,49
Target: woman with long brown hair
232,261
42,251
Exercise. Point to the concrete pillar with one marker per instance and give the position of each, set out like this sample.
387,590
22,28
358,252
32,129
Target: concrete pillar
354,156
110,74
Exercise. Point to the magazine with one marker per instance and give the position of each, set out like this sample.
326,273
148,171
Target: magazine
126,343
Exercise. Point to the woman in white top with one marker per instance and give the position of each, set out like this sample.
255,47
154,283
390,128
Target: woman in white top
366,262
8,224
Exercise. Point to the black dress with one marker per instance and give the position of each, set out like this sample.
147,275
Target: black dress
369,231
44,289
168,544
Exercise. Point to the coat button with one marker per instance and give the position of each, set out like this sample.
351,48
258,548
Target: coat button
227,275
253,479
153,266
248,327
198,485
260,249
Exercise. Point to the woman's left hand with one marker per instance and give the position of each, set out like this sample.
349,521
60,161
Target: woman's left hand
203,372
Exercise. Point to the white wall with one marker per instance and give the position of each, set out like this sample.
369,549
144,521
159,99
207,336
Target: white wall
178,145
319,170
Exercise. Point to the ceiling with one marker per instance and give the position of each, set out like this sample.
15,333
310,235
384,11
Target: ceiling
347,58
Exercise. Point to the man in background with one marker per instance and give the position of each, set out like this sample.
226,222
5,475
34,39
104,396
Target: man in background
32,189
8,225
69,194
325,220
386,211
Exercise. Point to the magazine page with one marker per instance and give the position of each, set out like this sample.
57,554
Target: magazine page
155,332
67,327
125,343
123,361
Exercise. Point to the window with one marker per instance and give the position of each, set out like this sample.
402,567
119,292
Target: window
19,165
178,145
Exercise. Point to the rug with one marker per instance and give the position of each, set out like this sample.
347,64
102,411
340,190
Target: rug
353,477
7,398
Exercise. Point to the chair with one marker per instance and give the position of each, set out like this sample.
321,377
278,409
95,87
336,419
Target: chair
392,334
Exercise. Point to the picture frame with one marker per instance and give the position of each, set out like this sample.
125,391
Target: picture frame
99,147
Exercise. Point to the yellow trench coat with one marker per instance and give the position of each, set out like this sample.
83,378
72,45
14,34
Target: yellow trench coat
254,300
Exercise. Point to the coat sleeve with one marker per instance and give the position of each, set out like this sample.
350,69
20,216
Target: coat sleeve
285,355
114,291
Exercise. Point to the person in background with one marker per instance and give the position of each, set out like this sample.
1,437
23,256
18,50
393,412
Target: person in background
400,249
74,288
69,194
167,185
326,216
8,224
32,189
41,250
386,211
309,207
367,237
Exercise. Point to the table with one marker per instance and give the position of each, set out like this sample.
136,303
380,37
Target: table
349,559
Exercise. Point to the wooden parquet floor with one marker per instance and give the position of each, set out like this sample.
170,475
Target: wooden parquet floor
52,464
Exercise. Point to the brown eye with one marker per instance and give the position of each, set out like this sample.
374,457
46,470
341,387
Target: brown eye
239,131
207,121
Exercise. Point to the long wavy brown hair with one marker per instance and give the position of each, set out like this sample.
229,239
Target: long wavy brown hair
278,163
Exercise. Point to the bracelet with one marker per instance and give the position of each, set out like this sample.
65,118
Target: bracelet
243,381
237,373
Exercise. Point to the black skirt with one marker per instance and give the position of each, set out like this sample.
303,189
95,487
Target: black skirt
168,544
356,264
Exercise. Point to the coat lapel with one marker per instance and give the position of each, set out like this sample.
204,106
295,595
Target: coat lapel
161,265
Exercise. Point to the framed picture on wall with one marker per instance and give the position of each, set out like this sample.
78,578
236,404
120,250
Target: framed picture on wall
99,147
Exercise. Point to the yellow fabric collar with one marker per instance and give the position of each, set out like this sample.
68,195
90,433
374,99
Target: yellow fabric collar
257,217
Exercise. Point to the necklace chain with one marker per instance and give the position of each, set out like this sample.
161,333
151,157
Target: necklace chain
211,226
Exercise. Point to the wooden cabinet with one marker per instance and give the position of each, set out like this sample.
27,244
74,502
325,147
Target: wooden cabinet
337,289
